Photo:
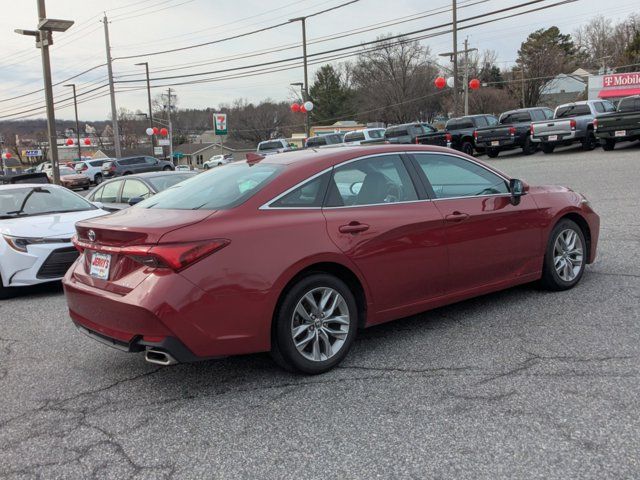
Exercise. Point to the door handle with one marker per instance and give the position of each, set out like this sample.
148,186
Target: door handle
456,217
353,227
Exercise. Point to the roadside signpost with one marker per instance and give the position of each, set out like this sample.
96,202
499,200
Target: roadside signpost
164,142
33,153
220,127
157,151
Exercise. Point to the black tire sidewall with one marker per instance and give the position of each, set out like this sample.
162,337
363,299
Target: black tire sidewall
467,148
285,351
493,152
550,277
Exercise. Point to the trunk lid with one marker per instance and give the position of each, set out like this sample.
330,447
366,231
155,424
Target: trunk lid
104,266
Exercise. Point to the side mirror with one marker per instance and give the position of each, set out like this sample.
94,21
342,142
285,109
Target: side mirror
134,200
517,188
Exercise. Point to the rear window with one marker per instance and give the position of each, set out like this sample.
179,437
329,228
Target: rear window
572,111
396,132
163,182
316,141
218,188
269,146
375,134
354,136
515,117
629,105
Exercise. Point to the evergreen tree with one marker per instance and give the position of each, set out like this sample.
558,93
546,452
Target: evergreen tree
331,97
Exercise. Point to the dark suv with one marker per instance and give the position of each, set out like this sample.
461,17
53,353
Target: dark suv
129,165
407,132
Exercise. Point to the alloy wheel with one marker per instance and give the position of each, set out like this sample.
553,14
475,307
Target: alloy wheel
568,255
320,324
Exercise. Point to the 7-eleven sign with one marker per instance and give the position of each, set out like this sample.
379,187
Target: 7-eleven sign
220,123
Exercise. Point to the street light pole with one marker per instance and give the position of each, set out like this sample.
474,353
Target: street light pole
75,107
303,20
43,39
153,140
454,27
112,92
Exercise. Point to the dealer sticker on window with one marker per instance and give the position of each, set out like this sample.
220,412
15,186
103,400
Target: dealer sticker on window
100,263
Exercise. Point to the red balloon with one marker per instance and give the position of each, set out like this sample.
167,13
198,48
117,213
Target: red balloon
155,130
440,82
164,132
87,141
7,155
295,108
302,109
69,141
474,84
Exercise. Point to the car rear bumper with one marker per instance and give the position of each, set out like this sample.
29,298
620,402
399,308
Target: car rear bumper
629,134
561,137
502,143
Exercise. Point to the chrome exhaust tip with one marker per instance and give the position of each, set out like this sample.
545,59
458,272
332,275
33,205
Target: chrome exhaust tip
158,357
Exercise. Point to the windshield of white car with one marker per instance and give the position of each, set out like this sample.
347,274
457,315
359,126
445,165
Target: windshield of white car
30,201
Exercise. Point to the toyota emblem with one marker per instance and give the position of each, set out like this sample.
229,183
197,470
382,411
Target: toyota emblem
91,235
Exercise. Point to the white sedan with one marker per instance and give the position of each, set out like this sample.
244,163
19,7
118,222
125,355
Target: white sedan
217,161
37,222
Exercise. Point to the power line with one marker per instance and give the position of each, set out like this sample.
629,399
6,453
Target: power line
253,32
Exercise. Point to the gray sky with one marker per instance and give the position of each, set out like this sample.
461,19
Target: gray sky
144,26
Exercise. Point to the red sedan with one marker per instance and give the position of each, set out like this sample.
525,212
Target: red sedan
293,253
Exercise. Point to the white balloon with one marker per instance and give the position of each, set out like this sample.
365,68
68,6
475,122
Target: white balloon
149,131
308,106
450,82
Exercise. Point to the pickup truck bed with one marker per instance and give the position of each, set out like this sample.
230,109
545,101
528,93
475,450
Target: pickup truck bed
620,126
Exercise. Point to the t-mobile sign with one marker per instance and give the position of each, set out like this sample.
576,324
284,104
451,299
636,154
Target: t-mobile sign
622,80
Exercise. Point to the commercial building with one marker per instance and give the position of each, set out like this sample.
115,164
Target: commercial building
614,86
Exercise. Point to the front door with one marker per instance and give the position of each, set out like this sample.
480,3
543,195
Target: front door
395,238
489,239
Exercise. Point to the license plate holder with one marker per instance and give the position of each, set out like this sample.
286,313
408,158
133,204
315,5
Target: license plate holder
100,265
495,143
552,138
620,133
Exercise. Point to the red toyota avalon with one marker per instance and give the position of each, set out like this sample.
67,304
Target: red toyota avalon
293,253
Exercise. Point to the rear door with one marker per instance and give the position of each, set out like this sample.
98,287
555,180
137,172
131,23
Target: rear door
380,219
489,240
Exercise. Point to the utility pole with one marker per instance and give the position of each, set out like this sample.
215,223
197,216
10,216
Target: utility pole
303,20
114,111
153,140
44,39
466,76
454,30
75,107
522,86
170,125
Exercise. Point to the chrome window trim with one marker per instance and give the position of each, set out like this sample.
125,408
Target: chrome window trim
267,205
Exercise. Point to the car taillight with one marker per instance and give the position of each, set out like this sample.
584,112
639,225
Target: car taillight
475,134
512,130
112,168
84,167
417,141
531,129
595,124
175,256
448,137
573,124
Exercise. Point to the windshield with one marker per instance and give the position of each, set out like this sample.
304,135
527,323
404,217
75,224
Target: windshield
572,111
376,133
269,146
28,201
163,182
218,188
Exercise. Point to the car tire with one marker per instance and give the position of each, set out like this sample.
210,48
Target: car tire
589,143
97,179
529,148
85,188
315,351
219,164
565,257
547,147
493,152
167,168
206,167
467,147
609,145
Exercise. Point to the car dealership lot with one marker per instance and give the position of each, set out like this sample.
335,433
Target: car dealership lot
518,384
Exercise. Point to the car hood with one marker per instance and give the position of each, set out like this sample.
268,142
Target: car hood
549,189
57,225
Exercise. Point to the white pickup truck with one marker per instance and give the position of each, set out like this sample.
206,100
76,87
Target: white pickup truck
571,122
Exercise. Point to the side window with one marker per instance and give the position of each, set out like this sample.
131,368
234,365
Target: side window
132,189
491,120
371,181
96,196
308,195
548,113
537,115
110,192
599,107
610,107
451,125
452,176
150,160
481,122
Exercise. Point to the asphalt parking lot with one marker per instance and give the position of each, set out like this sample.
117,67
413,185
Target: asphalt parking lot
518,384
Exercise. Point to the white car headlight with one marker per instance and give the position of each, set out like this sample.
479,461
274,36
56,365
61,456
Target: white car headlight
20,244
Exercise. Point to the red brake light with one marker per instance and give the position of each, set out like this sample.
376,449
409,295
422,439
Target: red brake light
531,129
85,167
112,168
175,256
512,130
475,134
417,141
448,137
572,122
595,123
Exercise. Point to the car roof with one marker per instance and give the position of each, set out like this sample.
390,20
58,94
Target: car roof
146,175
12,186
